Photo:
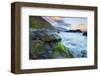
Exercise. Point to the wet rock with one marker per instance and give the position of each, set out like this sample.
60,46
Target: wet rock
85,34
39,49
83,53
62,50
36,48
45,44
51,37
32,36
77,30
45,35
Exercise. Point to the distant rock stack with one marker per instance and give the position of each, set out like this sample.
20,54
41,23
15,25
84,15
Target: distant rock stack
84,33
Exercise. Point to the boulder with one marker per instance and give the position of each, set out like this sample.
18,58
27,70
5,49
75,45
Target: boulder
36,48
39,50
51,37
45,35
85,34
61,50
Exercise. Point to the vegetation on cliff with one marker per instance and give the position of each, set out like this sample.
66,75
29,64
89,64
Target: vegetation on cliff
44,41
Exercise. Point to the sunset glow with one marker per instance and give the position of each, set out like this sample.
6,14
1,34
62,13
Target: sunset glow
75,23
82,27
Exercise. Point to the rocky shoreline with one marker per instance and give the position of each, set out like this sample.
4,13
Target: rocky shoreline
46,44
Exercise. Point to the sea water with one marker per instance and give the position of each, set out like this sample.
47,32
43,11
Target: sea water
76,42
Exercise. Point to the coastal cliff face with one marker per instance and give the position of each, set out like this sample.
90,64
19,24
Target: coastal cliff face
45,41
37,22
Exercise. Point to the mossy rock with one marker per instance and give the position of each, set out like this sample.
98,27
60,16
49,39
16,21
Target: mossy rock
63,51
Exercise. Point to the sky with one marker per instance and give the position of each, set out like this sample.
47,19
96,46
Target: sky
74,22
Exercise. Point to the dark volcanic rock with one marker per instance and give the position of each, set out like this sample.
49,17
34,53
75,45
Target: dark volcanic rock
85,34
45,35
78,30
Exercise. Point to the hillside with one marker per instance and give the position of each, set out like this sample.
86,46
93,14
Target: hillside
37,22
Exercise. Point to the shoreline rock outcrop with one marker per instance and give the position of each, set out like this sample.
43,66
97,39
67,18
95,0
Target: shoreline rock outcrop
46,44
